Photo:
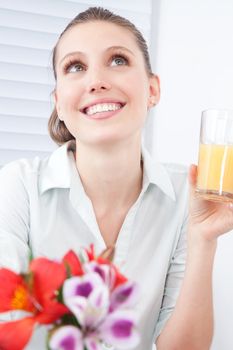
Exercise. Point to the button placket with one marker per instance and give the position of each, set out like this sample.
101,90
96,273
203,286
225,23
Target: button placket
124,237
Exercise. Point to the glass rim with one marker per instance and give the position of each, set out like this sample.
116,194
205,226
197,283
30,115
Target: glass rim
215,112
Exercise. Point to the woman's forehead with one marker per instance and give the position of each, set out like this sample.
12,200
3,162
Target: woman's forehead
96,34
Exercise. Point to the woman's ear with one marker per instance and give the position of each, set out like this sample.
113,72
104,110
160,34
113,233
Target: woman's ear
154,90
54,94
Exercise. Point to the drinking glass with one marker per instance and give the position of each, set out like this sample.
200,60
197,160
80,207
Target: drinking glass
215,164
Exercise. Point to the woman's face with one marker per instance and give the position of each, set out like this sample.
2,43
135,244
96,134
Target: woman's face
103,91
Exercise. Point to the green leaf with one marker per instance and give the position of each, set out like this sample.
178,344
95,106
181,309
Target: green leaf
70,319
30,257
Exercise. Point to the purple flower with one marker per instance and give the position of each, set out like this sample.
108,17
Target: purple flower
106,272
124,296
118,329
103,317
66,338
88,298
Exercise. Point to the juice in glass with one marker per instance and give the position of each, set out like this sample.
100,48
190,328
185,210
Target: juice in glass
215,171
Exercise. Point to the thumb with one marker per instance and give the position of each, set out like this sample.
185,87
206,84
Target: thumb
192,176
108,253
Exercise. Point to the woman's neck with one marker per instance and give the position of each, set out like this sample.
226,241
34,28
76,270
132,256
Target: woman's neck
111,176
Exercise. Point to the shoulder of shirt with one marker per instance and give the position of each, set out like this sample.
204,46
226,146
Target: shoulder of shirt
22,172
16,176
33,165
49,172
23,166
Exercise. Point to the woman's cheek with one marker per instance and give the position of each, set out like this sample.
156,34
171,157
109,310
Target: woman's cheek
71,100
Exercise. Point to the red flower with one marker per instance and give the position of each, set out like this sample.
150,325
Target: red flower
120,279
15,294
71,260
34,292
90,252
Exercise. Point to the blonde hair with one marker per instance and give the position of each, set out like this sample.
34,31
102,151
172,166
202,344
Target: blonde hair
57,128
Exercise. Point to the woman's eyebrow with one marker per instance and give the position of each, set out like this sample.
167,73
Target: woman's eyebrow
74,53
120,48
80,53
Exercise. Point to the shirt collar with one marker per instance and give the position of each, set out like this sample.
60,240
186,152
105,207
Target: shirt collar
157,174
57,169
60,166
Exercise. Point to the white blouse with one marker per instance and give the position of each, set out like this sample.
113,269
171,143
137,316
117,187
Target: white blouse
43,206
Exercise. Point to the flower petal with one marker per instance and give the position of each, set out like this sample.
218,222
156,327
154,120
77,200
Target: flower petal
97,307
90,252
73,262
11,282
51,312
78,305
120,279
66,338
92,343
76,290
90,311
119,330
81,286
15,335
106,272
48,277
125,295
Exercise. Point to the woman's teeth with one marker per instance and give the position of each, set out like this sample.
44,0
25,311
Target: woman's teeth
102,107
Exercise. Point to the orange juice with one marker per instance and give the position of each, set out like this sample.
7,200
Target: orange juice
215,168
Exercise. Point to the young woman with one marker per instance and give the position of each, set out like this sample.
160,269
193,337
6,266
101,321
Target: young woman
101,186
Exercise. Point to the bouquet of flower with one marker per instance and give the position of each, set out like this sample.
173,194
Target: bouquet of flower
85,302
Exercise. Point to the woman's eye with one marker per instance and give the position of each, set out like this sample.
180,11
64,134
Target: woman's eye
74,67
119,61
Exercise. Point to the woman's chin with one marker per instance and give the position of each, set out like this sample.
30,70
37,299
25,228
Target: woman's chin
104,140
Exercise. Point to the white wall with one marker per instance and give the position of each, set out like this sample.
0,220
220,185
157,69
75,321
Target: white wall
194,59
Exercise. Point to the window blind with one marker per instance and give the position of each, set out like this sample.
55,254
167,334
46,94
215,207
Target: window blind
28,31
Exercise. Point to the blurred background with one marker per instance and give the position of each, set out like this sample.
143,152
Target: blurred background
191,47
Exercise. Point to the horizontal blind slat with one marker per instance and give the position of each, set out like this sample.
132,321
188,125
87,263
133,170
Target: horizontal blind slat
27,38
136,5
25,73
36,109
22,90
68,9
23,125
56,8
10,140
25,55
31,21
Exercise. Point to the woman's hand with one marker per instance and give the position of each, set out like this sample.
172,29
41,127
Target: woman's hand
208,219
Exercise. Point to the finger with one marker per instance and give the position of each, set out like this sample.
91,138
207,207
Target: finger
230,205
108,253
192,175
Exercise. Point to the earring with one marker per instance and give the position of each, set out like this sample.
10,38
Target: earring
152,101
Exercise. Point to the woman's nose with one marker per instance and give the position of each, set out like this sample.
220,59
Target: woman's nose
98,86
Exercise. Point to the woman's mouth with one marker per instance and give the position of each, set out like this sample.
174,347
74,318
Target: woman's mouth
103,110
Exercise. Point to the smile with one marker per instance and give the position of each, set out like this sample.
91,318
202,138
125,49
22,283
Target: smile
103,109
